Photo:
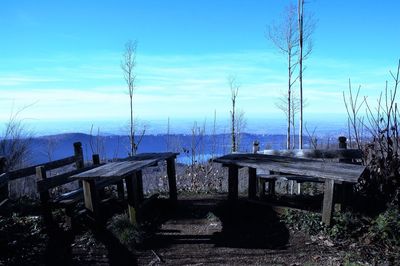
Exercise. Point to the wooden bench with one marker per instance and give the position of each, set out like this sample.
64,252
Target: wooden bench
67,200
46,184
6,177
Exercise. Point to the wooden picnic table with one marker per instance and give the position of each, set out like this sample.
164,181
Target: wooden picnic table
130,170
305,169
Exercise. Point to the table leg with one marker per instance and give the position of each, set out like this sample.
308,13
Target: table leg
173,195
327,206
271,187
90,197
130,191
120,190
252,183
233,182
346,194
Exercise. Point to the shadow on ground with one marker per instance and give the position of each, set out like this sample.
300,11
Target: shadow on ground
242,224
250,225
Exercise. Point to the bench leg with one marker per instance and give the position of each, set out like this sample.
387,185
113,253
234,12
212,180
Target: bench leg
252,183
91,198
345,194
261,188
130,189
233,182
298,188
120,190
327,206
271,187
134,188
173,194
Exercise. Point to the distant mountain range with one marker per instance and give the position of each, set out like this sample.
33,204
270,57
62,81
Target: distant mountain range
190,147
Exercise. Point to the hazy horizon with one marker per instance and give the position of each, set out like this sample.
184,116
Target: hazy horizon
329,125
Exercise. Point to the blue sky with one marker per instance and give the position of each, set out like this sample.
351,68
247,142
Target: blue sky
64,57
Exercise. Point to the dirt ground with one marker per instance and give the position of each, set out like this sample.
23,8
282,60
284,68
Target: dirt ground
200,230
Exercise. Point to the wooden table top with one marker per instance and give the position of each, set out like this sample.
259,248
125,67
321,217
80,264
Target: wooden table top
125,167
297,166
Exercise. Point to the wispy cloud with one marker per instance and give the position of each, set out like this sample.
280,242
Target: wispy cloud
176,85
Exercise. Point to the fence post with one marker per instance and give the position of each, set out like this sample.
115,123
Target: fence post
44,198
3,182
78,152
345,190
256,146
96,159
342,142
2,165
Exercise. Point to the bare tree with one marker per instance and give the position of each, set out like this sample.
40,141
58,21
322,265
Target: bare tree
282,104
240,127
306,26
234,87
285,38
128,65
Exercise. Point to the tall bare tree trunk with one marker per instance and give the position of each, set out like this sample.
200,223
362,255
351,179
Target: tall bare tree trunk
288,100
300,16
234,92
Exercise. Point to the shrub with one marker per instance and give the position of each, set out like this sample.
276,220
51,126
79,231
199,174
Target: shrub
386,227
130,235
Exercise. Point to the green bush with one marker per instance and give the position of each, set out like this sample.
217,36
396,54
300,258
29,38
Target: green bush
346,225
386,227
130,235
300,220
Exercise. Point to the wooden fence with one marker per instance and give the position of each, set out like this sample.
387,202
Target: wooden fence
6,177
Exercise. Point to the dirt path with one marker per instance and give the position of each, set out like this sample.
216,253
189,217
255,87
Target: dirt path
201,230
208,231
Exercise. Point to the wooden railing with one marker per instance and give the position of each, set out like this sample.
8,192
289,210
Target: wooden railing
5,177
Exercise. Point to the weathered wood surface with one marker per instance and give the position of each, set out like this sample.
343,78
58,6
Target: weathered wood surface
149,156
263,175
318,154
171,173
296,166
233,182
252,183
61,179
120,169
327,205
19,173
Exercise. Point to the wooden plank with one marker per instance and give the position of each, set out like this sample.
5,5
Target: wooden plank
151,156
90,196
120,169
44,198
261,188
48,166
252,189
139,195
58,180
120,190
271,187
327,206
318,153
2,164
297,166
130,189
233,182
78,154
171,173
298,178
